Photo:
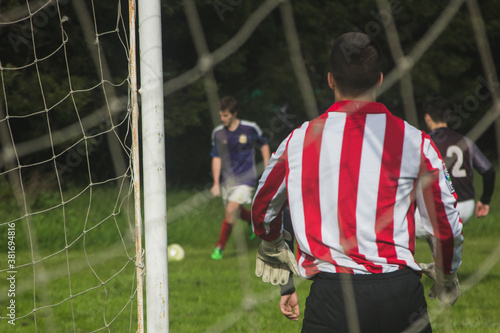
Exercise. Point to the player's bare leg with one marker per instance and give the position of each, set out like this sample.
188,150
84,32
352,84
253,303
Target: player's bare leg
232,210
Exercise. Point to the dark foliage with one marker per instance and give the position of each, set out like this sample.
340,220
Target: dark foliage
259,74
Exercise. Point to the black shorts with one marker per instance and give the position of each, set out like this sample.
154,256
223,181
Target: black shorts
388,302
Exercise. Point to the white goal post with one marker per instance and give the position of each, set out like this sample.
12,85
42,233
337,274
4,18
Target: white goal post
154,174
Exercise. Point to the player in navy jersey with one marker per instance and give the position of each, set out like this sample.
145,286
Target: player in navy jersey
233,166
351,179
461,157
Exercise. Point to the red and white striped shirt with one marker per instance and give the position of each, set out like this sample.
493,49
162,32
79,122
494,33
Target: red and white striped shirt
352,178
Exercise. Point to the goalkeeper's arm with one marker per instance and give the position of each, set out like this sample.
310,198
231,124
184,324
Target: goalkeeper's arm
289,287
289,306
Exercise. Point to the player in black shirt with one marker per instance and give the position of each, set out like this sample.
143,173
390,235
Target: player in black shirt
461,157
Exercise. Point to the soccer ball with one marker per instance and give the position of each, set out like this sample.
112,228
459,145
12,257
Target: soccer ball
175,252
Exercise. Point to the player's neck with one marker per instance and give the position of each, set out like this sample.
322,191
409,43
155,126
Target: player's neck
433,126
370,96
234,125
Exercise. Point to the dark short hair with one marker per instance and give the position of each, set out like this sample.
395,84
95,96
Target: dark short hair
437,108
356,63
228,103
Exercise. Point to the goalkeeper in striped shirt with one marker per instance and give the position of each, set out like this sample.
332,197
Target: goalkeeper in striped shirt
352,179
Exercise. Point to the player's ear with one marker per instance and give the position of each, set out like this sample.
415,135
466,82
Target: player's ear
331,81
428,121
380,80
427,118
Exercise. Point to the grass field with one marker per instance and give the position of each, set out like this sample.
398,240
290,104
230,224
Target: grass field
84,281
78,273
214,296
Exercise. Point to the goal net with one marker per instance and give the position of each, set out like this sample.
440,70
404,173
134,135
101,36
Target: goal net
67,215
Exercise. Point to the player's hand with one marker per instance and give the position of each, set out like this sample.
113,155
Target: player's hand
275,261
215,190
481,209
446,286
289,305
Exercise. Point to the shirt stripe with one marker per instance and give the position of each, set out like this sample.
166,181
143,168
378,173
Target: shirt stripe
391,155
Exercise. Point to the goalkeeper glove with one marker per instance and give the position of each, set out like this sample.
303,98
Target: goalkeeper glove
275,261
445,287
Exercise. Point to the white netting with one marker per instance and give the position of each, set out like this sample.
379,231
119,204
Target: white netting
66,214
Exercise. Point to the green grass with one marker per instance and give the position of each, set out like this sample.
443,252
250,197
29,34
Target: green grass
207,294
212,296
204,295
75,268
477,308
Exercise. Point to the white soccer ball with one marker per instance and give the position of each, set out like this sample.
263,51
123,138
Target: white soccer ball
175,252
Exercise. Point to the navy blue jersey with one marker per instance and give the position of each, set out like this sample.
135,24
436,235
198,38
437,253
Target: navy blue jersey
461,156
237,152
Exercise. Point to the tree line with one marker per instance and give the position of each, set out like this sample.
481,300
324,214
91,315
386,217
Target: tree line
260,73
